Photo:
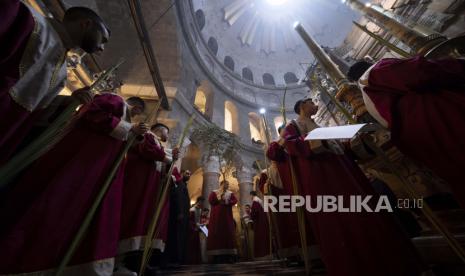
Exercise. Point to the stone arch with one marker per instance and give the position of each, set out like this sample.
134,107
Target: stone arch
290,78
200,18
200,101
268,79
256,129
229,63
247,74
213,45
278,121
204,99
231,118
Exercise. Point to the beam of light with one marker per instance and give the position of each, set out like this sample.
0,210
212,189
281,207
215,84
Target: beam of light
262,111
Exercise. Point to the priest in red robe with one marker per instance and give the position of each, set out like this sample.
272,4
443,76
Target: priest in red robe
194,255
141,181
45,207
351,243
261,228
32,63
287,232
422,102
160,238
221,242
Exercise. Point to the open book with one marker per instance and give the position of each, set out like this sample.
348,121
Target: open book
340,132
204,230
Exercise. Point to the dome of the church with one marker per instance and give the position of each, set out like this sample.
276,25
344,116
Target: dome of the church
255,39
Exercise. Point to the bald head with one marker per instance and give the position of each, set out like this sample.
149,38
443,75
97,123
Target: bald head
86,29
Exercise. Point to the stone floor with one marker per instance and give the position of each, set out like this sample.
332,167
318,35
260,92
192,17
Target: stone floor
243,268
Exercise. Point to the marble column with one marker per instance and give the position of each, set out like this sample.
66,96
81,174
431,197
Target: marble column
245,178
211,176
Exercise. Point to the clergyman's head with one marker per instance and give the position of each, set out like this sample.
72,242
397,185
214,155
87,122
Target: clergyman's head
281,129
161,130
225,184
199,202
357,70
186,175
136,106
86,29
305,107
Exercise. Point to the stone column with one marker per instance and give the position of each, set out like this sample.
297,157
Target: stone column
211,176
346,91
245,178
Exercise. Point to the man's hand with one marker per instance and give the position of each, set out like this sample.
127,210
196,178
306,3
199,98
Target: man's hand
175,152
139,128
83,95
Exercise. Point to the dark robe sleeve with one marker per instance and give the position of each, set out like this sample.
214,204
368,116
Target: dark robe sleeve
192,222
182,200
262,182
418,74
232,200
16,25
150,150
295,144
104,113
255,211
213,199
276,152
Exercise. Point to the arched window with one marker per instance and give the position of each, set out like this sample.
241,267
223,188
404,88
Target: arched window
200,101
229,63
231,117
247,74
203,99
200,18
290,78
256,130
278,121
268,79
213,45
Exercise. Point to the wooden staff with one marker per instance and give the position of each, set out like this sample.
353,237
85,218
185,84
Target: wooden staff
300,219
426,210
283,107
49,138
270,220
91,213
151,230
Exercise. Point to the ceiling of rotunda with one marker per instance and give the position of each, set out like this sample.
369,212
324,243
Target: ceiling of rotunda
259,34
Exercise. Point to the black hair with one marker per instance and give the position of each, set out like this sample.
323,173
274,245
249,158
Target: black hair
358,69
157,125
206,210
281,127
297,106
76,13
247,205
299,103
253,193
136,101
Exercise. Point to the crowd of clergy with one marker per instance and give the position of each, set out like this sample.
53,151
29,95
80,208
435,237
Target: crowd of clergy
45,209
